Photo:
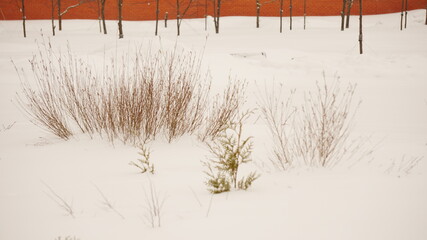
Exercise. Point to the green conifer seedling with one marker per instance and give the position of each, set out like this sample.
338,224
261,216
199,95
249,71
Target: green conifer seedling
230,150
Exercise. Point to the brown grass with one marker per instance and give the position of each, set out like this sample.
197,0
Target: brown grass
278,112
224,109
135,99
316,133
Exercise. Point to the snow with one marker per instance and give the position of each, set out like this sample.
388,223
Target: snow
363,202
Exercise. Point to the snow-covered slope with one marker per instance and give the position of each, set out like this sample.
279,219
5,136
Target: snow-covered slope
363,202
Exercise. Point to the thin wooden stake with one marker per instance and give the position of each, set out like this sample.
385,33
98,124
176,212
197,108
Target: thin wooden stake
401,15
281,15
305,12
290,15
406,12
23,18
360,27
157,16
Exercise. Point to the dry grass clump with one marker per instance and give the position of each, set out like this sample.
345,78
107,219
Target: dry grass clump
315,133
154,204
224,109
135,99
278,112
43,103
186,96
325,123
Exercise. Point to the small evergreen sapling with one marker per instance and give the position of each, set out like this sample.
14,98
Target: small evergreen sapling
218,182
246,182
230,150
144,163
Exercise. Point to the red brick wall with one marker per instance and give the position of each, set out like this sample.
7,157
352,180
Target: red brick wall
145,9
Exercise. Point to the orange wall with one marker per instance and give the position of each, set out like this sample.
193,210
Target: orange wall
145,9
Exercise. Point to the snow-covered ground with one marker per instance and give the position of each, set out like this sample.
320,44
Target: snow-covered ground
363,202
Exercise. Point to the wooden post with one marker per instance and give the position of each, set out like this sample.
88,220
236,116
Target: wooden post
104,26
177,18
349,6
120,3
281,15
406,12
401,15
157,16
258,10
360,27
290,15
98,2
206,15
343,14
53,17
59,15
23,18
305,12
218,13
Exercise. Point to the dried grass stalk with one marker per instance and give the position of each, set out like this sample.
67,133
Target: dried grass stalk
135,99
224,109
316,133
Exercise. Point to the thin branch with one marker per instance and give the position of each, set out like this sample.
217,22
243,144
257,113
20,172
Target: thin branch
210,205
195,196
74,6
154,206
59,200
182,15
107,202
266,2
7,127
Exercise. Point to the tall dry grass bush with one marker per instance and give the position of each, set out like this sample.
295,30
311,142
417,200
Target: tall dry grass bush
278,110
315,133
134,99
41,98
186,97
325,122
224,109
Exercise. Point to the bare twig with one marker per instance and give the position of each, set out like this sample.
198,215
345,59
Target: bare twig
108,203
66,206
7,127
74,6
403,166
66,238
154,207
195,196
210,205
